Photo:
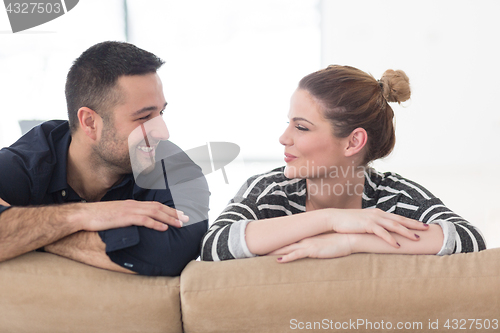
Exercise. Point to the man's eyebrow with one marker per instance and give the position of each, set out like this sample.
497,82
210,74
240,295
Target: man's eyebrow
300,118
147,109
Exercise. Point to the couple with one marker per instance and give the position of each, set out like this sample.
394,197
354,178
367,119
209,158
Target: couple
339,119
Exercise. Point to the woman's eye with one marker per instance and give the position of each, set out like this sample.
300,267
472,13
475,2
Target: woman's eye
301,128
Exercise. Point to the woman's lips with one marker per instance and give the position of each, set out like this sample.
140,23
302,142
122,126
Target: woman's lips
289,157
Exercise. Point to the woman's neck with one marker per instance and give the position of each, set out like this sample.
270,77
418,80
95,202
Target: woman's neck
343,190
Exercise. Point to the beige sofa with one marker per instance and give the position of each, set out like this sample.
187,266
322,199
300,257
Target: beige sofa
41,292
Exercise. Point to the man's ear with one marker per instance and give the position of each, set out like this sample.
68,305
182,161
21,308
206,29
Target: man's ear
89,122
357,141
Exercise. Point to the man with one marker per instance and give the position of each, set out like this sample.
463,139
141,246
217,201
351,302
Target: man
71,185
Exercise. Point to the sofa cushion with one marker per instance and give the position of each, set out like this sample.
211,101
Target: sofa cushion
42,292
361,292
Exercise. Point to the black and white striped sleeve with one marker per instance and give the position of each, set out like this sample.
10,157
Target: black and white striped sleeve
459,235
263,196
225,239
395,194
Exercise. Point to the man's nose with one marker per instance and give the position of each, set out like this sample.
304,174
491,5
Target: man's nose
156,129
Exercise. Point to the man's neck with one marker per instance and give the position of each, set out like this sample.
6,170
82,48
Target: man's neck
86,176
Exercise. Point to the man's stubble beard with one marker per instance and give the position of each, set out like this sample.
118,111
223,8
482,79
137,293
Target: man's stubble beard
109,151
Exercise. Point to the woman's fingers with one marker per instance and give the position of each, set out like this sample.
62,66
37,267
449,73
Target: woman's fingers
407,222
285,249
386,236
295,255
331,245
402,225
378,222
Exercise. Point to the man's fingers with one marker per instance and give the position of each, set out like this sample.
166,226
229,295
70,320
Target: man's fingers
182,217
162,213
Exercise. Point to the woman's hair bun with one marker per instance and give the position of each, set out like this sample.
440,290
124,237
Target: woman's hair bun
395,86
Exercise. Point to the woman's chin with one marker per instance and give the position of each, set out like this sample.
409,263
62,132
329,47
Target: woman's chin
291,172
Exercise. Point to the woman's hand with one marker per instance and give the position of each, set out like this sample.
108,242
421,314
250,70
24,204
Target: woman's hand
373,221
332,245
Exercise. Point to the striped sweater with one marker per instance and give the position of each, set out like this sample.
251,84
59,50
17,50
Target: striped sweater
271,195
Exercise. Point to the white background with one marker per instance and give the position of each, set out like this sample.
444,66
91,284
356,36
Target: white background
231,67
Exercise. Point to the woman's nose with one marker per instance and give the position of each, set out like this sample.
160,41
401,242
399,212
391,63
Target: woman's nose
285,138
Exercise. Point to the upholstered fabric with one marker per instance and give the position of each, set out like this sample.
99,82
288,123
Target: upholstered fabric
41,292
261,295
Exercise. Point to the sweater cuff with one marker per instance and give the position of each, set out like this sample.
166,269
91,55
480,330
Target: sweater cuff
449,233
236,241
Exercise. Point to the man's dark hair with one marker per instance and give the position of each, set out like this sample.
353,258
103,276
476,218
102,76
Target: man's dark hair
92,78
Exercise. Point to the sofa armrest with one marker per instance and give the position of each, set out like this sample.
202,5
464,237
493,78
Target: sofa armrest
369,290
42,292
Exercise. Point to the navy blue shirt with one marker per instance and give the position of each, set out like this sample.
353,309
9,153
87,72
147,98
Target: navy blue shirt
33,172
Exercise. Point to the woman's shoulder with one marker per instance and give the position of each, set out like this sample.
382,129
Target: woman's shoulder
376,182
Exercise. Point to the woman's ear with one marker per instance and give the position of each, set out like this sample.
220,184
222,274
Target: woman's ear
357,141
89,122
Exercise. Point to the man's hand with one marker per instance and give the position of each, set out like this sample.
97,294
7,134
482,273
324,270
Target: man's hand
24,229
3,203
86,247
115,214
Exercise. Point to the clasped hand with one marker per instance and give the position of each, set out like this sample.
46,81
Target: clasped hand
115,214
343,223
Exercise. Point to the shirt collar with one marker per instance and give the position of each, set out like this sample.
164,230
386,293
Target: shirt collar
59,176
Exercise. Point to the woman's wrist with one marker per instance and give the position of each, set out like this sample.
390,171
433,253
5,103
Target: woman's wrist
353,242
327,219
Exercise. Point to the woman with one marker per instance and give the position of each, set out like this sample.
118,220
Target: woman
327,202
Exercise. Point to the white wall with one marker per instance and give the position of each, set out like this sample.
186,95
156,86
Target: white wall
448,134
231,67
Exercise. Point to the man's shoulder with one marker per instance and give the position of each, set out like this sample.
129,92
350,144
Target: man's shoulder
43,136
27,166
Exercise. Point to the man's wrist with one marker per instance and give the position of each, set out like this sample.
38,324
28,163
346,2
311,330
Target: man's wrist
75,216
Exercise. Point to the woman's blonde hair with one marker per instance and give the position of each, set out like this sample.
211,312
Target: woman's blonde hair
351,98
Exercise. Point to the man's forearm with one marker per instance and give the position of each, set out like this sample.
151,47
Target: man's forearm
86,247
26,229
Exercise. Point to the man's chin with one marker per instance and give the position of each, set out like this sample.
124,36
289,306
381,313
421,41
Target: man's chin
143,167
